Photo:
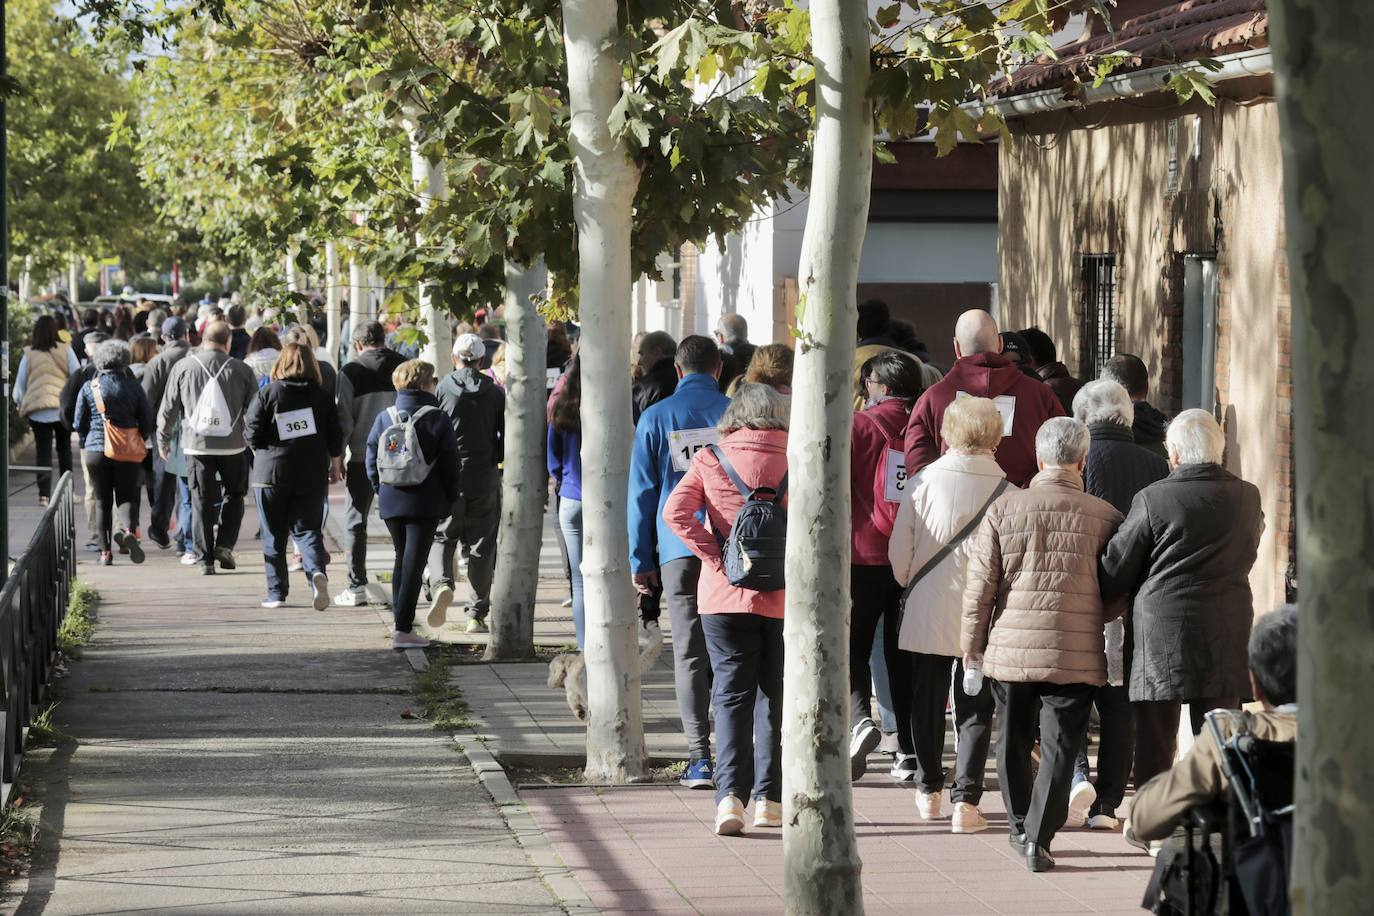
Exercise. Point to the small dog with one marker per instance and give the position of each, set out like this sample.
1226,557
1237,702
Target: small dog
569,670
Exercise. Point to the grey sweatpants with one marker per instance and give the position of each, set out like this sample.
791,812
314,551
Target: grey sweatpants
691,663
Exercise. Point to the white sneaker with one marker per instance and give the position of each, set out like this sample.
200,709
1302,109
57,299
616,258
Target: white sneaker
928,805
353,596
1081,798
729,816
862,741
767,813
438,606
566,602
1103,822
189,559
319,590
903,767
967,819
273,603
400,640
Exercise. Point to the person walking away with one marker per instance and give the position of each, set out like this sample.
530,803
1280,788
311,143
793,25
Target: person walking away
1130,373
732,334
167,485
90,324
1184,557
476,408
113,419
1044,359
982,372
657,376
71,391
240,338
208,393
667,437
929,551
142,349
892,383
365,392
771,365
413,467
742,625
1033,616
563,453
1117,469
44,370
263,350
297,441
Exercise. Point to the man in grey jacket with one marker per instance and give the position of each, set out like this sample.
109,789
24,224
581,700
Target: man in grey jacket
213,461
365,390
174,350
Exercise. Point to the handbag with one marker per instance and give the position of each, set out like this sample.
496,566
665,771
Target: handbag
122,443
954,542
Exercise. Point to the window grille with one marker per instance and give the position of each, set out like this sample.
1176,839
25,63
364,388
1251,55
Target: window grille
1099,312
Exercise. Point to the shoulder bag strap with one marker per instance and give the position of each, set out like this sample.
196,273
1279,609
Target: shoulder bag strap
730,472
96,393
954,542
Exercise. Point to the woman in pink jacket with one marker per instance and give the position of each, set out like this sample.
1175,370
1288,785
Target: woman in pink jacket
743,628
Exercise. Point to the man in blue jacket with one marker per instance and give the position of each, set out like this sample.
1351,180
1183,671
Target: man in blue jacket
668,434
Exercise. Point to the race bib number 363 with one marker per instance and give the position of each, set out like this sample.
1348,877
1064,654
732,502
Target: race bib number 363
296,424
684,443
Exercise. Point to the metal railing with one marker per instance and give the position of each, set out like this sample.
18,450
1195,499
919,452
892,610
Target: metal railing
32,606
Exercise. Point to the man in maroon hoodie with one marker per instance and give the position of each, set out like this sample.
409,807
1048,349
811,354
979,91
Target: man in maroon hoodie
981,371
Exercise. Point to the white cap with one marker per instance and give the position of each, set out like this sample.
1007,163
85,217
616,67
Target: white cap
469,348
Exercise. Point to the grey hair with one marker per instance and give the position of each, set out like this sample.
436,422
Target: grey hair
112,354
733,328
1195,437
1273,654
1062,442
1103,401
755,406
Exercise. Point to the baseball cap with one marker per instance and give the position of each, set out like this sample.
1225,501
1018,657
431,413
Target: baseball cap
173,328
469,348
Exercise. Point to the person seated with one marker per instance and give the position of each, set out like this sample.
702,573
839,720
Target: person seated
1161,804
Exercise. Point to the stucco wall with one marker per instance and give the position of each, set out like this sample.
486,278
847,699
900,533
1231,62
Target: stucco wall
1074,183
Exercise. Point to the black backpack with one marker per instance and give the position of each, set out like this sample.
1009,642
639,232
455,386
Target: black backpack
755,552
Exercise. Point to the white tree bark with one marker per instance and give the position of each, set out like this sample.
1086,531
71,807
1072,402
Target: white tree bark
25,281
333,301
1320,48
295,282
74,280
821,858
357,298
434,319
603,198
524,485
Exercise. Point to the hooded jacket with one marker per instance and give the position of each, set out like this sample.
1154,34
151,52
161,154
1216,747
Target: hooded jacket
365,390
1150,424
433,498
476,406
869,438
984,375
160,369
184,385
302,463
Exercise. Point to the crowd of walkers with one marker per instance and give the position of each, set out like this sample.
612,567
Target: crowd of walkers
1028,550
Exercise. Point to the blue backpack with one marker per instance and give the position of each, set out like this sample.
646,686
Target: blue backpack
756,550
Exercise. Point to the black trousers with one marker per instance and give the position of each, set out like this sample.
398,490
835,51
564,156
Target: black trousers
1038,809
45,437
1115,751
1156,731
116,484
874,599
930,688
208,475
411,538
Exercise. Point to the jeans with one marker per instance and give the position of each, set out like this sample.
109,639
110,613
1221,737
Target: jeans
1114,753
185,540
882,682
562,542
358,497
1040,808
164,497
298,515
473,525
411,538
746,697
207,474
930,688
874,596
570,523
115,484
45,437
691,661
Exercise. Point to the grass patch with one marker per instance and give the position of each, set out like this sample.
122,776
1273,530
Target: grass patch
43,731
18,836
441,702
384,577
79,624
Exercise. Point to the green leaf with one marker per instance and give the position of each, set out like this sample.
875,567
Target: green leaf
888,16
1188,83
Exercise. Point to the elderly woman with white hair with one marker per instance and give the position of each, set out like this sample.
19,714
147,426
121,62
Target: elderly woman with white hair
1184,555
113,420
1034,613
742,626
1117,469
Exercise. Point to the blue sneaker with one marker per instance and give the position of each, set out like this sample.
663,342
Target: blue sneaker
699,775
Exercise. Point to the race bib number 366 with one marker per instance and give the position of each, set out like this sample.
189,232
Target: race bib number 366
296,424
684,443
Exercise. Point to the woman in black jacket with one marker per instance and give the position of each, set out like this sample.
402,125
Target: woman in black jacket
297,442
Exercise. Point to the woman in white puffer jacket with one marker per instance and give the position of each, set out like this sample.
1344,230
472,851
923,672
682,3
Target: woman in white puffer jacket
944,498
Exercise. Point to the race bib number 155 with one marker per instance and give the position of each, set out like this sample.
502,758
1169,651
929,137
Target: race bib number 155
684,443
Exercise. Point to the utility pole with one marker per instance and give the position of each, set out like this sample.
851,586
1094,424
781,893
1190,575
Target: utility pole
4,305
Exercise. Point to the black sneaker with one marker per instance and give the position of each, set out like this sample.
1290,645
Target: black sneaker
129,544
207,570
160,538
862,741
225,556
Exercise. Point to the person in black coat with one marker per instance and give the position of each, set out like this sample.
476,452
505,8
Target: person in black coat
412,513
1185,552
1116,470
297,441
657,374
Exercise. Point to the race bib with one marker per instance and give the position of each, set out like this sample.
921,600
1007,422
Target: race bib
296,424
551,378
894,476
684,443
1006,406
